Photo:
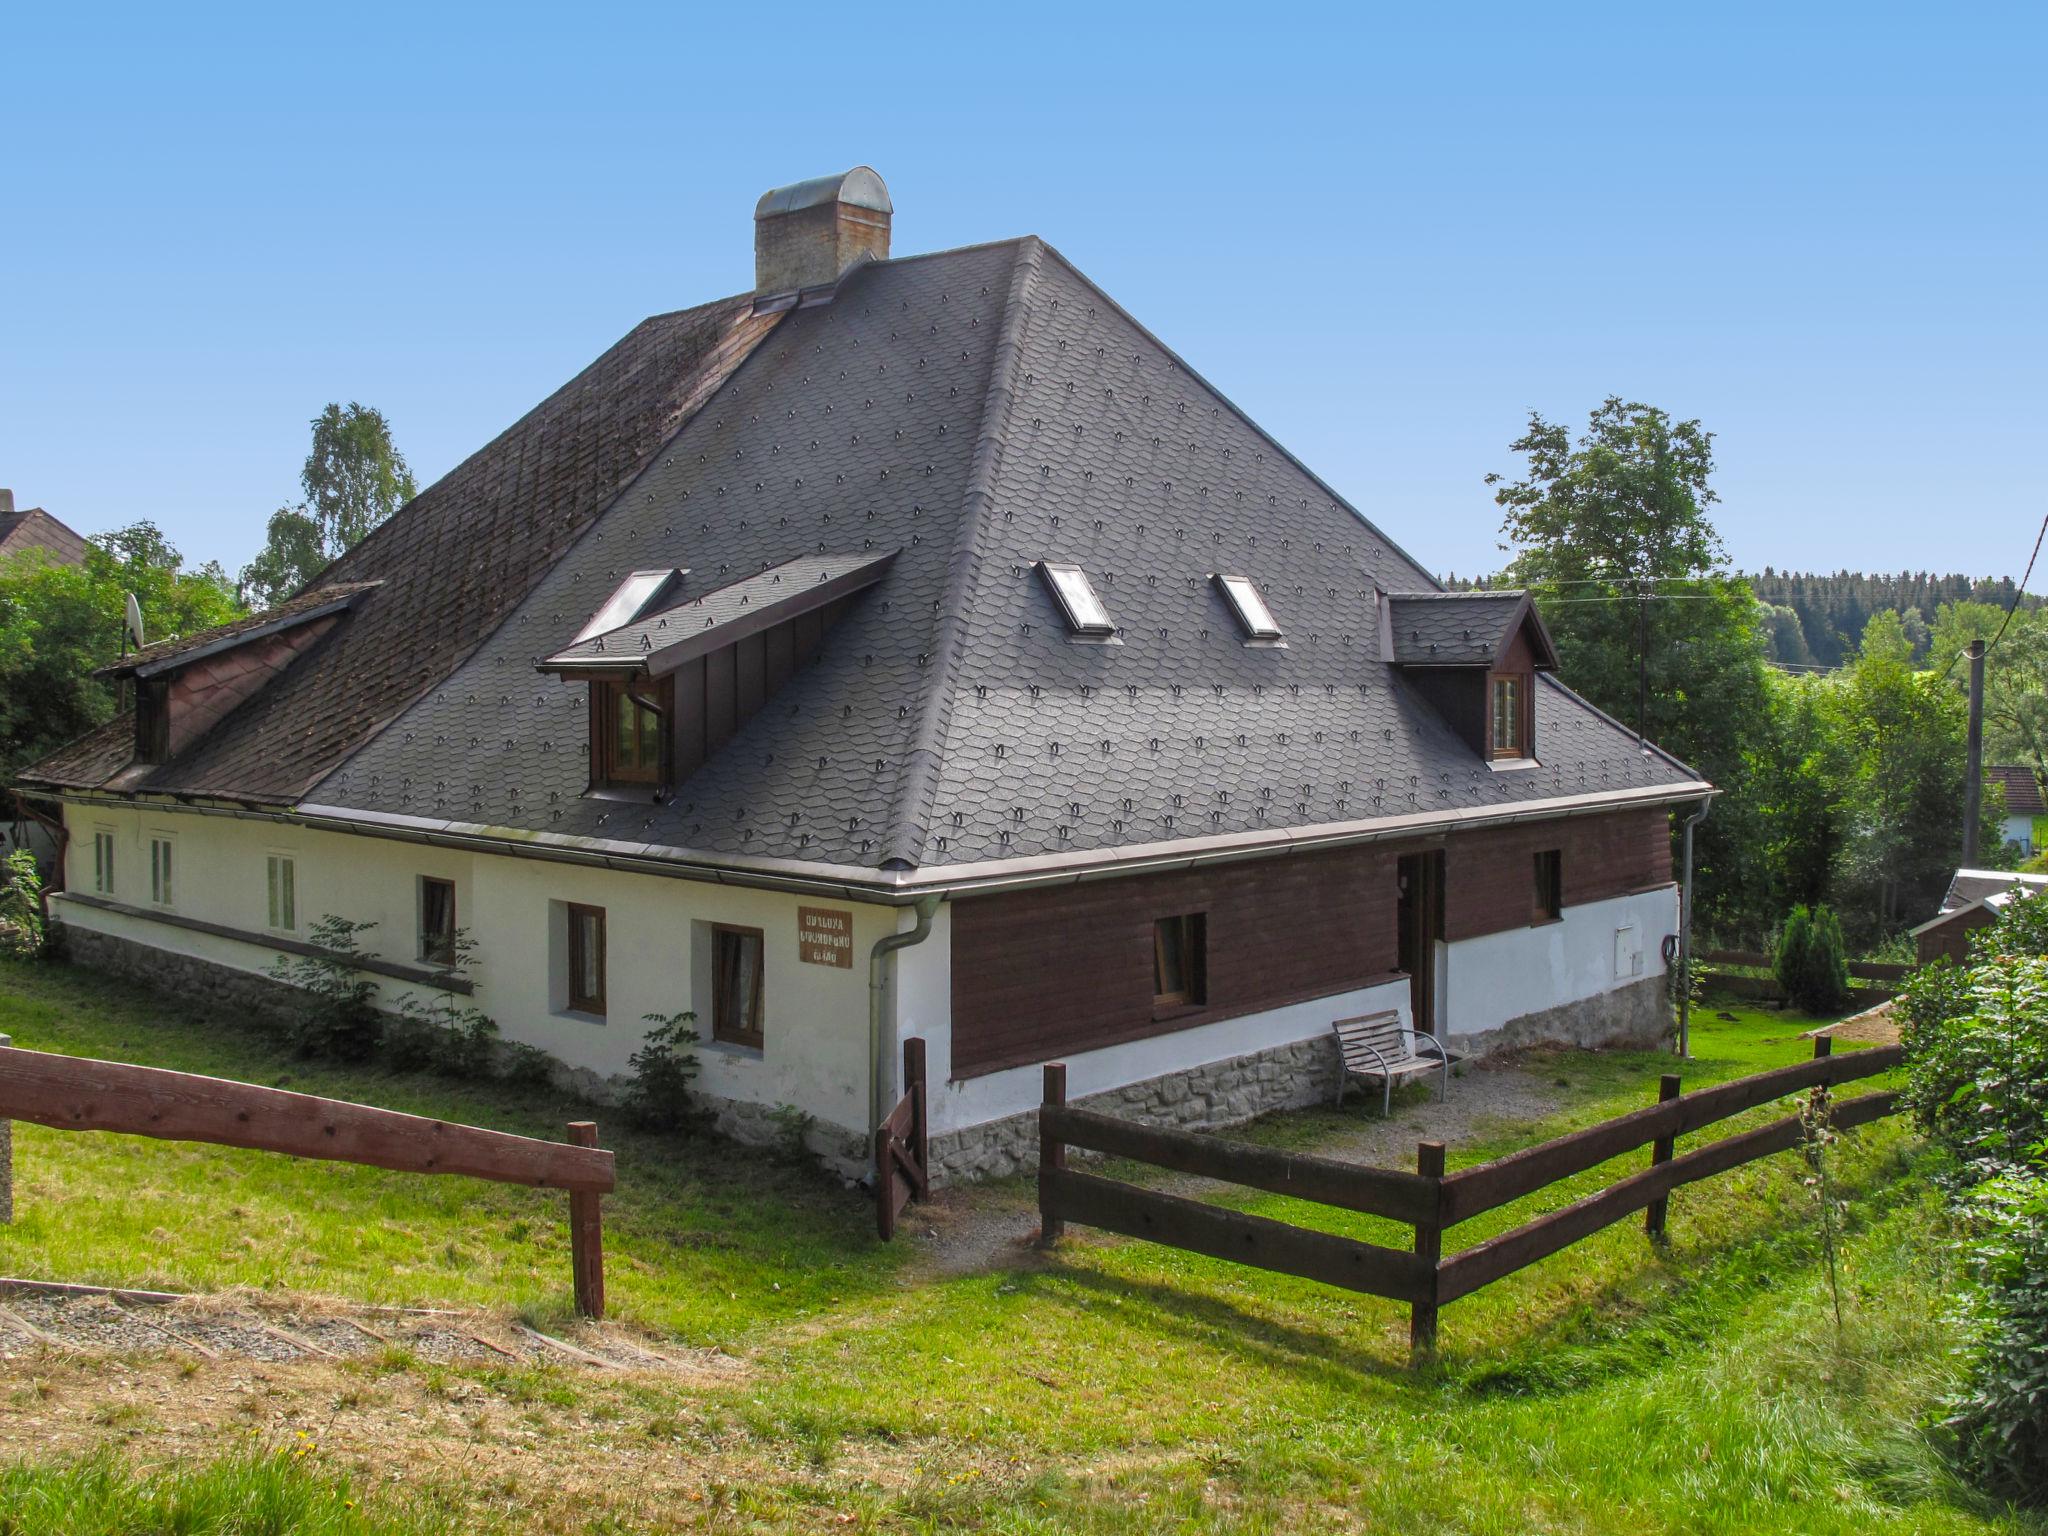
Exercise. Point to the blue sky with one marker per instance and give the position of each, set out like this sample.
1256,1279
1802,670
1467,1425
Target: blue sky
1387,232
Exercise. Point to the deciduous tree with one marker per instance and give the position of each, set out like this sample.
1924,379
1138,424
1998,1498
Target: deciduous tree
353,480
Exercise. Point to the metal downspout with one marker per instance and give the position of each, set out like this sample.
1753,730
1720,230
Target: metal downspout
1685,938
927,908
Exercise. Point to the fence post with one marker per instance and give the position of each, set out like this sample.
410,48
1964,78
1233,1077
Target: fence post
1052,1153
586,1233
1660,1152
1429,1244
1823,1045
6,1159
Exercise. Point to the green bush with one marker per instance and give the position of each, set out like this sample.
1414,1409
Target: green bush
442,1031
21,906
1812,961
1976,1039
340,1018
658,1098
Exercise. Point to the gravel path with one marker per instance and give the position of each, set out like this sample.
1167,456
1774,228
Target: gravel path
979,1227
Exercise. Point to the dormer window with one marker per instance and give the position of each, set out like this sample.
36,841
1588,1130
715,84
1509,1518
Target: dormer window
1510,710
628,731
1253,616
1086,618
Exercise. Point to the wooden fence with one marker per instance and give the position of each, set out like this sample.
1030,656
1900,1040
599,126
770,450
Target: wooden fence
902,1154
76,1093
1428,1200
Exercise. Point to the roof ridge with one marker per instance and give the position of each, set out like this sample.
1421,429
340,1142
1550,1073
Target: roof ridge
1242,415
918,788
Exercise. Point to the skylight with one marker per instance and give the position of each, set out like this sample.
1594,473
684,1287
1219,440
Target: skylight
1253,615
634,596
1076,596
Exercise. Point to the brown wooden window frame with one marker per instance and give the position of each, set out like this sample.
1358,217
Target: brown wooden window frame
579,1000
1548,893
152,719
751,1034
1519,745
437,948
1193,991
609,767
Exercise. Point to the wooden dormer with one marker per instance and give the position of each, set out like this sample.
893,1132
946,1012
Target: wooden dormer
1474,657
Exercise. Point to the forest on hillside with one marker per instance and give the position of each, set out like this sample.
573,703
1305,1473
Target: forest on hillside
1817,620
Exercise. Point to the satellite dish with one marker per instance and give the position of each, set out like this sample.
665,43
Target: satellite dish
134,621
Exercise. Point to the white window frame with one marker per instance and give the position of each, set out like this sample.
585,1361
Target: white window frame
103,846
1249,606
276,862
1087,615
163,869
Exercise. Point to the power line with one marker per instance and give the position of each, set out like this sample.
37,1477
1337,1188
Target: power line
2017,593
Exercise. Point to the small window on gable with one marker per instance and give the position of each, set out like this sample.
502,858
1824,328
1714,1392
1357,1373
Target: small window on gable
152,719
1549,892
103,862
736,961
586,959
1180,961
1509,715
437,921
1253,616
280,880
160,851
1086,617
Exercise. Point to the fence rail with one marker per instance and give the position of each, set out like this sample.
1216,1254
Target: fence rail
1429,1200
79,1093
1863,970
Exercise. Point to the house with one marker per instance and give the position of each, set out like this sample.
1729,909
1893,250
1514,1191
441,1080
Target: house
36,529
1974,900
912,646
2026,818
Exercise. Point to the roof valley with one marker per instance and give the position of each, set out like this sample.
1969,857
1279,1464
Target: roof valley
918,787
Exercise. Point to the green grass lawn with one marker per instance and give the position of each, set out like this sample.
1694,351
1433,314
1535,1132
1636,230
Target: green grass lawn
1111,1386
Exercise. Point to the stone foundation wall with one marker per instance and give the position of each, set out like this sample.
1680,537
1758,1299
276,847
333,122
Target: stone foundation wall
195,983
1637,1016
1223,1093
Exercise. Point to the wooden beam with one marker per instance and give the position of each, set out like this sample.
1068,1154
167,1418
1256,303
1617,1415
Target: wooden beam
1385,1192
1471,1191
73,1093
1244,1239
586,1232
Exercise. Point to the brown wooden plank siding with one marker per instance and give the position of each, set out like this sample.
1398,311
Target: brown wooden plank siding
1040,974
1490,878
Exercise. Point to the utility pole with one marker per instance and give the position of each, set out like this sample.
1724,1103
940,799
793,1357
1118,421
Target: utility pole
1643,663
1973,782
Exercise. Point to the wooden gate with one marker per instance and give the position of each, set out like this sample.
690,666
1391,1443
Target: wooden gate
901,1156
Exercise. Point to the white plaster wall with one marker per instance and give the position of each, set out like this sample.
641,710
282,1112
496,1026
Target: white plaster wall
1490,980
814,1016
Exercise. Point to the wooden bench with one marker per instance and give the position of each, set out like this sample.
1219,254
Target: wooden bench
1379,1045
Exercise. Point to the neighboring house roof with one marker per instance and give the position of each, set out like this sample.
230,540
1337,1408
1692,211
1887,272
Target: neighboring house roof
36,529
2022,789
179,650
971,413
1971,887
1463,629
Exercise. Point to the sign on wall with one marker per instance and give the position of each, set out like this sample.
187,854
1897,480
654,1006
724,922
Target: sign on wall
824,936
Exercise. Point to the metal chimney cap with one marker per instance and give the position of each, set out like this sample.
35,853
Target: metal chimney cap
859,187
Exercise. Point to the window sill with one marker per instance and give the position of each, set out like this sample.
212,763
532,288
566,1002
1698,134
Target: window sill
733,1050
1512,764
580,1016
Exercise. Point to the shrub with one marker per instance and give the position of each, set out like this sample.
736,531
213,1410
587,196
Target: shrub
658,1098
340,1018
443,1031
2000,1418
1812,961
21,906
1976,1043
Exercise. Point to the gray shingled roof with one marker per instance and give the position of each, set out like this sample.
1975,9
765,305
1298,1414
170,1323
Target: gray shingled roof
970,413
979,411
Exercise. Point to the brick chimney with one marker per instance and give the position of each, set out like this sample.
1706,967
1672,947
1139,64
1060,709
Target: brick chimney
6,502
808,235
